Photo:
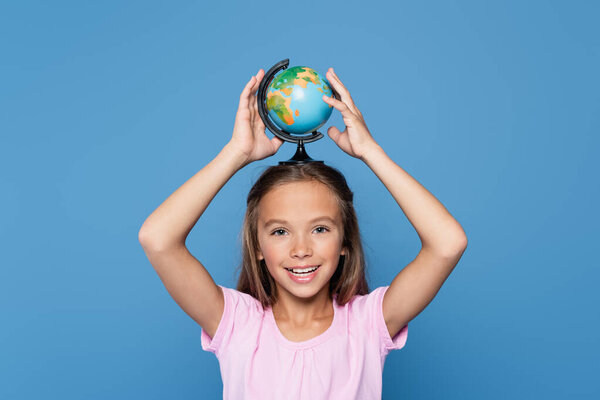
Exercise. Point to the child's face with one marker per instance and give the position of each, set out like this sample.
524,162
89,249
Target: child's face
299,239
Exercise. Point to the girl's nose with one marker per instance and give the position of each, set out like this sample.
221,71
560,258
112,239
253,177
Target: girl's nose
301,247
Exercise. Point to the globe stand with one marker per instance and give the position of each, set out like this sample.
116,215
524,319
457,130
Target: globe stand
301,157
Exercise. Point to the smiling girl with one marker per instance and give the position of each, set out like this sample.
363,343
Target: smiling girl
302,322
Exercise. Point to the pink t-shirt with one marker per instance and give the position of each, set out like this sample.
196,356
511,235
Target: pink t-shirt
344,362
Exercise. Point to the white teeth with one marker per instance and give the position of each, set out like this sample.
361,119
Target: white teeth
303,271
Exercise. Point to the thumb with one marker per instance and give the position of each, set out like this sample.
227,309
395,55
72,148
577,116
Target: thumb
334,133
276,142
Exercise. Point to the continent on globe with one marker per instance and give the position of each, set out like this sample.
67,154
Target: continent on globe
294,100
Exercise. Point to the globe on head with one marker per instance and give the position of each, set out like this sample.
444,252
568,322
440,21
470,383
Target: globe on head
294,100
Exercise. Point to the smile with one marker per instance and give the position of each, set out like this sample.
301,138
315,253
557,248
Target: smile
303,275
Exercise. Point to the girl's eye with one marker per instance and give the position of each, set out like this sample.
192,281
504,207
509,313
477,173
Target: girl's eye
322,227
281,232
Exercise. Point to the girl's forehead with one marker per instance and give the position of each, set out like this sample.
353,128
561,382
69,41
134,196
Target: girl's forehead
299,198
300,191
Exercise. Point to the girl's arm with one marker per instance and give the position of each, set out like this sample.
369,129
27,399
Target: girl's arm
442,237
163,235
164,232
169,225
438,230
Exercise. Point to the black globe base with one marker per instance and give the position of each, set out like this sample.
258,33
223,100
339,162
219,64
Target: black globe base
300,157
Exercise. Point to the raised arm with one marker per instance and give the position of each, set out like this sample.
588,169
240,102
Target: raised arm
163,235
170,224
442,237
164,232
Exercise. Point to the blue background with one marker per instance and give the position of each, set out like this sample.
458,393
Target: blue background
106,108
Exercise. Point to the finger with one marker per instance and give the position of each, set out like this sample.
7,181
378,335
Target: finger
259,76
253,85
339,105
254,99
245,93
256,119
341,89
253,113
335,80
344,93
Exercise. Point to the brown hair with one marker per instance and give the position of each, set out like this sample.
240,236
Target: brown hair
349,278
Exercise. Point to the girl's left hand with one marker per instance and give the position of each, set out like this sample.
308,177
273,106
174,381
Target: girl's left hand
356,139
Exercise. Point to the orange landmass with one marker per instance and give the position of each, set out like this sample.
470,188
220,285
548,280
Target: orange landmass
282,104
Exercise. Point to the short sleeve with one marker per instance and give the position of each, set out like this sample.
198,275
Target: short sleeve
239,310
387,343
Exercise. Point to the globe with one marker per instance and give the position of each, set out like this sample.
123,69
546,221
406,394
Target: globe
294,100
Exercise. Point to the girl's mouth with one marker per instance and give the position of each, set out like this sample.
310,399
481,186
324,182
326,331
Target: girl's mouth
302,276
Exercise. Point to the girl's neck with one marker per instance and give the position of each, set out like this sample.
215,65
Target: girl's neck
303,311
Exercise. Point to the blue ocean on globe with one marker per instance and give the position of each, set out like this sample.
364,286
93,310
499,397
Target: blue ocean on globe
294,100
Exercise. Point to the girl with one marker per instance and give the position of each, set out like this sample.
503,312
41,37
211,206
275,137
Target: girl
302,323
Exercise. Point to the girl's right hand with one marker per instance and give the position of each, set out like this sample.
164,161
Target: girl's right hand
249,139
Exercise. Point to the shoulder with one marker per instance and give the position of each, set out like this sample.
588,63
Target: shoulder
370,299
242,315
366,307
368,311
241,301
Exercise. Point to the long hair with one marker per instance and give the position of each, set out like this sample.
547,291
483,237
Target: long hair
348,279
